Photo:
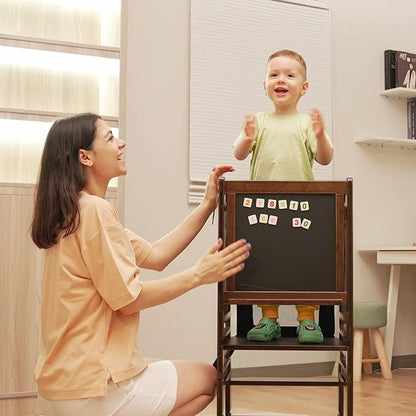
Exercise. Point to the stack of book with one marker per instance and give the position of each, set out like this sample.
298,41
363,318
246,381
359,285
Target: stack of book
399,69
400,72
411,119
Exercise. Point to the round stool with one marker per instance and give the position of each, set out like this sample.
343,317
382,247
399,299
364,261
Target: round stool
368,318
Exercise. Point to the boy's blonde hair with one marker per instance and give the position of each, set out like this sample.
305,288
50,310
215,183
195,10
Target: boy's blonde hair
290,54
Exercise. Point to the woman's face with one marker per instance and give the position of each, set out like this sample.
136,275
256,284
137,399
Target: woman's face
106,155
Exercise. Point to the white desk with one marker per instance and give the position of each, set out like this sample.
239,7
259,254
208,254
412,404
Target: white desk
395,256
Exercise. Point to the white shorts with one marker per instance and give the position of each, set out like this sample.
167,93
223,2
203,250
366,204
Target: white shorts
151,393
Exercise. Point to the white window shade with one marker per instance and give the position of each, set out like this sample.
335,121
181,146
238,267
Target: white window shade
230,43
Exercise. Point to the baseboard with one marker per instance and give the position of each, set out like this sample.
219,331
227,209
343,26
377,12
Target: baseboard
312,369
403,361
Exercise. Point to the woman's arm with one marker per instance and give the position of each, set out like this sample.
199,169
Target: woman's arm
172,244
214,266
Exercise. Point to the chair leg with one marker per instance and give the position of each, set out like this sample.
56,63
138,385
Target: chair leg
358,354
381,353
367,367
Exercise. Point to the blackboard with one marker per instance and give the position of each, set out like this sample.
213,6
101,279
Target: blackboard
284,255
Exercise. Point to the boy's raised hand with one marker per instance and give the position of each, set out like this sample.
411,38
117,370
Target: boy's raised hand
243,145
250,127
317,123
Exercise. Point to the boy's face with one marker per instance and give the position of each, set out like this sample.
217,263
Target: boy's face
285,83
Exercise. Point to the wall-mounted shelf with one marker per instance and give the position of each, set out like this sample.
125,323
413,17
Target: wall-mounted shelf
388,142
399,93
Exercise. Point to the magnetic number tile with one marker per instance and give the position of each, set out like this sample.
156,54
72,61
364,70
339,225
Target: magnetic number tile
272,219
306,223
263,218
282,204
271,203
248,202
304,206
293,205
259,202
296,222
252,219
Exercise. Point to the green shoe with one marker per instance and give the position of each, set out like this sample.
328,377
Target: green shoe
309,332
265,330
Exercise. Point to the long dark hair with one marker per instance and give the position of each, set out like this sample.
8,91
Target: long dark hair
61,178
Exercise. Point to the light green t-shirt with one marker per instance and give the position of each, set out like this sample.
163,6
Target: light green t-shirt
284,148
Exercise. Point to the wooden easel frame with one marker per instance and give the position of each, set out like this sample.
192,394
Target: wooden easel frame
342,295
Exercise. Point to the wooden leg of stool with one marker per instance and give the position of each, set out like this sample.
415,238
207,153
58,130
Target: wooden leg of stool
358,354
368,367
381,353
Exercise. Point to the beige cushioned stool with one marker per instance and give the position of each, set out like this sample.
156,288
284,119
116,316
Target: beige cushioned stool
368,318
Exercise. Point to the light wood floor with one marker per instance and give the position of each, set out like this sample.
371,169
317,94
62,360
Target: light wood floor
373,396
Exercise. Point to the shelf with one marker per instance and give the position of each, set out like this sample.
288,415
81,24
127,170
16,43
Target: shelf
285,343
59,46
388,142
25,114
399,93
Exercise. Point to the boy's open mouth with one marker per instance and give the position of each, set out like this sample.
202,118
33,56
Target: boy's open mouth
281,90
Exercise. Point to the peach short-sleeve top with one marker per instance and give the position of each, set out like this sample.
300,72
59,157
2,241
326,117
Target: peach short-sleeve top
88,276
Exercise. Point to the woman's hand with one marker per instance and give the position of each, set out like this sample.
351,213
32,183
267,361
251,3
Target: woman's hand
216,266
211,189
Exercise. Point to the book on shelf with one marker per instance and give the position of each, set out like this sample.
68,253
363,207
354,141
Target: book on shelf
411,119
399,69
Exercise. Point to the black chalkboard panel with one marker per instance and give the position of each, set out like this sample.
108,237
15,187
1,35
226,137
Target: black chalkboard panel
284,255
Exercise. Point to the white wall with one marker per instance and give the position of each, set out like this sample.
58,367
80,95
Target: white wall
155,125
384,179
157,159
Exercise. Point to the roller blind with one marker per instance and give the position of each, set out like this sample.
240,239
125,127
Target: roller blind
229,44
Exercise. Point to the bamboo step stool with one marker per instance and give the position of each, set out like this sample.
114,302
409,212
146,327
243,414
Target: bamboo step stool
369,317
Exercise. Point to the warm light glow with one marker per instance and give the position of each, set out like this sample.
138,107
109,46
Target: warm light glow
21,144
106,5
23,131
58,61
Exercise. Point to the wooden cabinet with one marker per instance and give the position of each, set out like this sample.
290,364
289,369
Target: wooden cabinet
58,58
20,277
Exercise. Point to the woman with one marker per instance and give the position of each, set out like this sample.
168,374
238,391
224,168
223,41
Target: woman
92,293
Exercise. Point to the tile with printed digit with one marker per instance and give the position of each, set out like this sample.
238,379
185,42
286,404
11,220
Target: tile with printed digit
304,206
263,218
293,205
296,222
272,219
252,219
306,223
248,202
271,204
259,202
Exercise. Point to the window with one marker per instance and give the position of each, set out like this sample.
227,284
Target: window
230,42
